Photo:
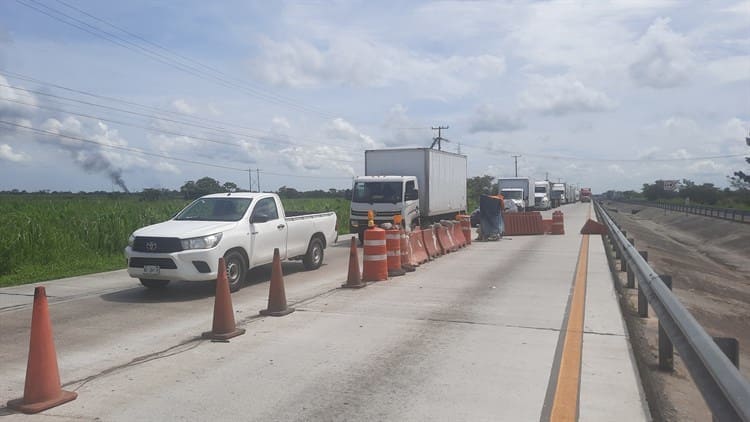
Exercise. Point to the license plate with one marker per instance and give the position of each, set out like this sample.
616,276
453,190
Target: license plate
151,269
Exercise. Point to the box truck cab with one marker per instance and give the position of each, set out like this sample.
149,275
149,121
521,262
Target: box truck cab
519,190
542,192
558,194
423,185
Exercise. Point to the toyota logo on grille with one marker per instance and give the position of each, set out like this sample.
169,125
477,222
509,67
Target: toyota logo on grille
151,246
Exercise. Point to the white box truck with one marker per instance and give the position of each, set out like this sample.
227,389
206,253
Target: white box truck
423,185
542,193
558,194
520,190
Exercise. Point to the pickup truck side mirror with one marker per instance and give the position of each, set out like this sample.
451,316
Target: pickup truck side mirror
259,219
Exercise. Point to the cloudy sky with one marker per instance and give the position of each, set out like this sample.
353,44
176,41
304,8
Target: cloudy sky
106,95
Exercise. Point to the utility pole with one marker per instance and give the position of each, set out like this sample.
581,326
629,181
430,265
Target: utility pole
257,173
250,178
515,158
439,137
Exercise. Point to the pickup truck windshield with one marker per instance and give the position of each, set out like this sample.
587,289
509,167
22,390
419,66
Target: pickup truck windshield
512,194
377,192
215,209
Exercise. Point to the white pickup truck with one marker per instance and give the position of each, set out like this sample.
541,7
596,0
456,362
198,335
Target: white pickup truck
244,228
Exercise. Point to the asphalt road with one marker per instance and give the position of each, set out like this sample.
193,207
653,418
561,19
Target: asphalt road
472,335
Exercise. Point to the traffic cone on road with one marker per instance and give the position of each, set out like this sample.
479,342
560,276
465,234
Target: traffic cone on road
276,294
224,327
354,280
42,390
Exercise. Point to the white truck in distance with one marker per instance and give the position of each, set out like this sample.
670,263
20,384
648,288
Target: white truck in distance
423,185
244,228
520,190
558,194
542,191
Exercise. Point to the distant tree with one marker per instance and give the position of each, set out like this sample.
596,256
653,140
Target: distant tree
741,180
286,192
202,186
229,187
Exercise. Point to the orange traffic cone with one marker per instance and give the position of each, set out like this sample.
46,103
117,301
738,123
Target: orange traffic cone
223,327
354,280
276,295
42,390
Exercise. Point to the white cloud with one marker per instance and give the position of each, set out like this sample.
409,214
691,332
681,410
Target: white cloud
340,129
562,95
730,69
183,106
615,168
487,119
13,109
7,154
663,57
317,158
404,130
356,62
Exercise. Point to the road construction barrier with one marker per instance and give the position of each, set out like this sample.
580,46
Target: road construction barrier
375,260
406,261
42,389
223,327
558,226
393,251
417,248
441,232
466,229
458,234
547,225
276,293
431,243
354,278
523,223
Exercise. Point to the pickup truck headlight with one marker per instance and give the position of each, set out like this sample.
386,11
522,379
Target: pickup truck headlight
131,240
204,242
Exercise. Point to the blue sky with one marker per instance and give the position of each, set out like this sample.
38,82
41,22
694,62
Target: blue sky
603,94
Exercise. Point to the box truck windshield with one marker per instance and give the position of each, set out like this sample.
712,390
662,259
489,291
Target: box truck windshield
512,194
377,192
540,189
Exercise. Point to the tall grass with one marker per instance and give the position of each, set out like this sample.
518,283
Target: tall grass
45,237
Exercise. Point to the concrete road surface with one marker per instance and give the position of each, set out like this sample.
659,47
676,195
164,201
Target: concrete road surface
474,335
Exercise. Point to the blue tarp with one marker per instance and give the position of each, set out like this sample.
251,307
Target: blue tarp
490,217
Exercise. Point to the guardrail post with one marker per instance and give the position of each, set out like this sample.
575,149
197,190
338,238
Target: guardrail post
626,268
666,350
642,302
731,347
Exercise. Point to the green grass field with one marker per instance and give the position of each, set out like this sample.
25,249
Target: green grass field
45,237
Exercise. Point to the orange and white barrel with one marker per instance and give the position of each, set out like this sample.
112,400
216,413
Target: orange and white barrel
375,260
393,247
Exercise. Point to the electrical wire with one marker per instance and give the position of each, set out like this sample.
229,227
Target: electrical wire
155,55
151,153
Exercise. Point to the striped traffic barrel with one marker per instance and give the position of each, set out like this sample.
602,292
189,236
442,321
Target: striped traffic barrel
393,247
375,260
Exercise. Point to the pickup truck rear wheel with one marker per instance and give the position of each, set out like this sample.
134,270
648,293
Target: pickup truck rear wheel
236,269
154,284
314,257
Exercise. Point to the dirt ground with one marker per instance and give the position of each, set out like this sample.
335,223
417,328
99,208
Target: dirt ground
709,261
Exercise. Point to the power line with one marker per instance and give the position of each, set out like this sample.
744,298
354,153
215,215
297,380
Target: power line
165,119
162,58
151,153
611,160
147,128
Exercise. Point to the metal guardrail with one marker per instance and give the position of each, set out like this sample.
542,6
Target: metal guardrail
723,387
731,214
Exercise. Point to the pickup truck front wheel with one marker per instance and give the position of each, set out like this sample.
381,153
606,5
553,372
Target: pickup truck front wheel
236,269
314,257
154,284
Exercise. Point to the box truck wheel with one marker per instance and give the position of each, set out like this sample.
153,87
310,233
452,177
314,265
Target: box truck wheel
154,284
